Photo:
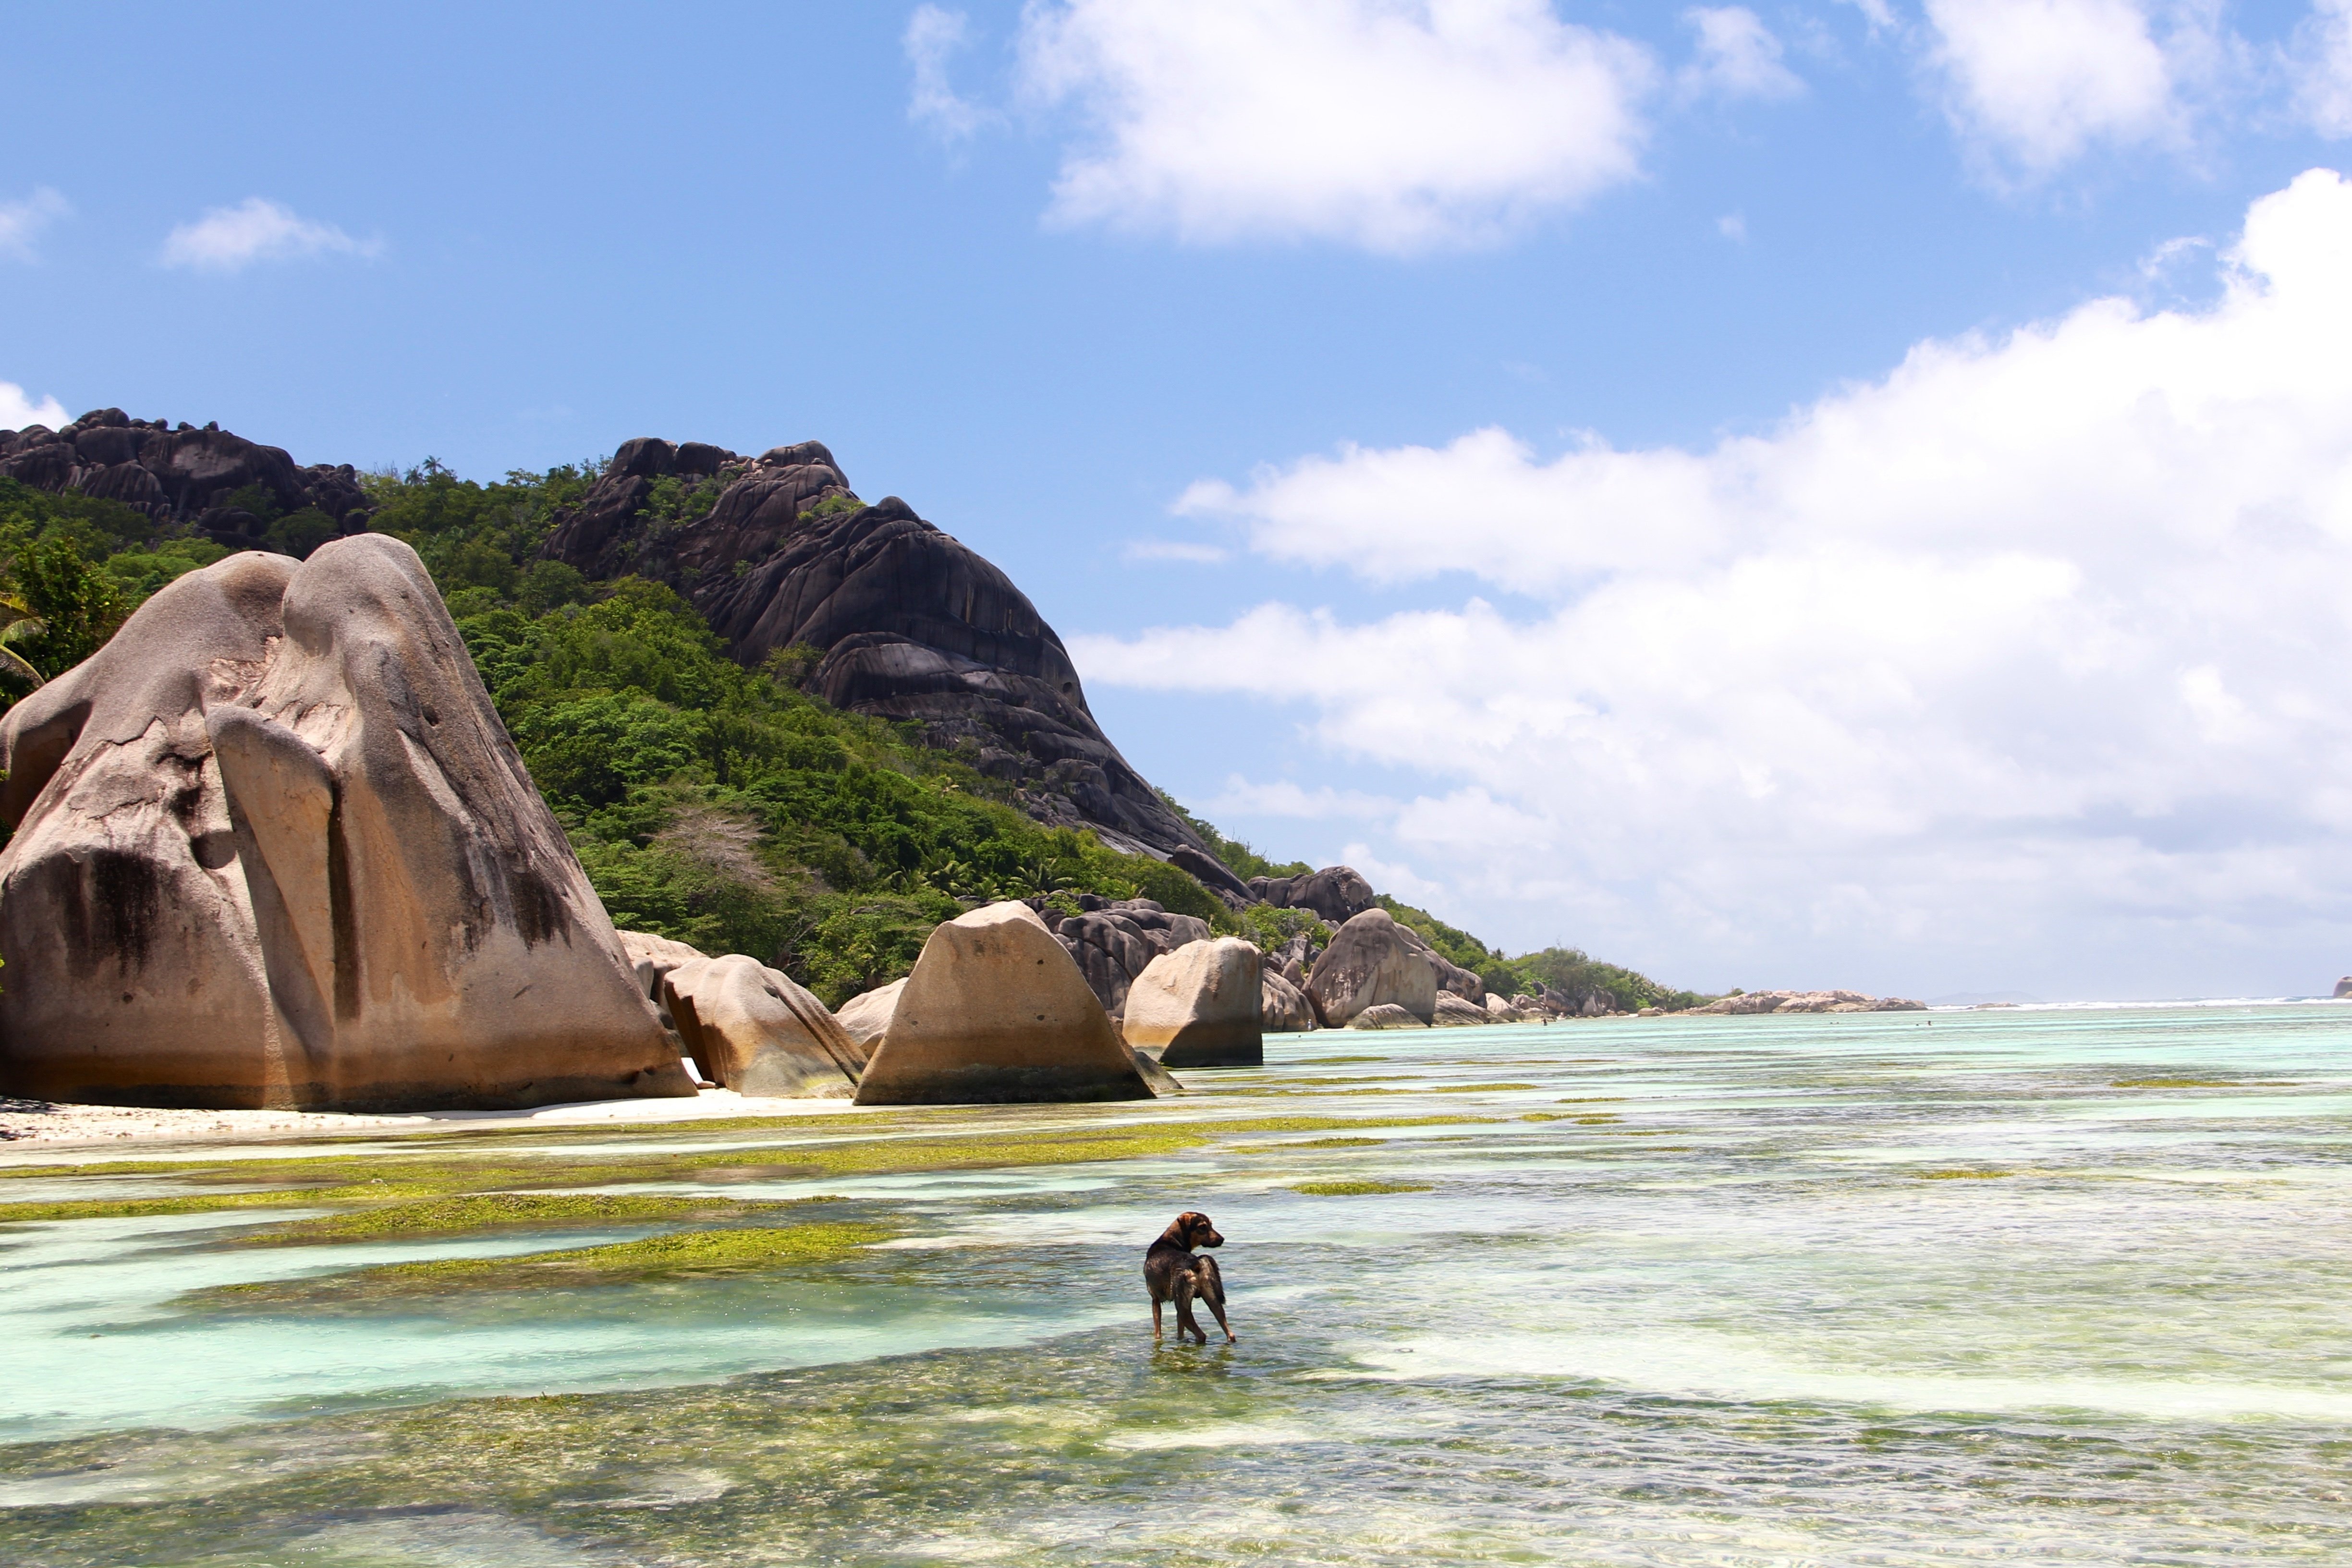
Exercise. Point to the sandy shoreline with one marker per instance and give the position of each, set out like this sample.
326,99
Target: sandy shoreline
35,1124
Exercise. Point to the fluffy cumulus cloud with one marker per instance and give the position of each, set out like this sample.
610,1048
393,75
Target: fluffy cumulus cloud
933,38
2022,664
17,409
2037,83
2322,66
1397,125
21,221
1736,56
229,239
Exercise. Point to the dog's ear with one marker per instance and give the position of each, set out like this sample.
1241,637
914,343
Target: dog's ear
1180,1230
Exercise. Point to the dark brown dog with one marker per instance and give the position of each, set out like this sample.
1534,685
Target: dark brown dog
1174,1272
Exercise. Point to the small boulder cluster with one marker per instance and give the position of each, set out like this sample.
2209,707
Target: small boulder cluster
1749,1002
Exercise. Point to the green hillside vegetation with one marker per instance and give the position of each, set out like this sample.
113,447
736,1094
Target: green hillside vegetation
714,804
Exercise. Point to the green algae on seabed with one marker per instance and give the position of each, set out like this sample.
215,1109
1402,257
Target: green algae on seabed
415,1176
1360,1188
500,1211
679,1254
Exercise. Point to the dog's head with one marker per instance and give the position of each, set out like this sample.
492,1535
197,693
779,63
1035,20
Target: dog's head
1192,1230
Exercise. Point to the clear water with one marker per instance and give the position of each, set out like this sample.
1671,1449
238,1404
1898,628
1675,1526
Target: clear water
1884,1289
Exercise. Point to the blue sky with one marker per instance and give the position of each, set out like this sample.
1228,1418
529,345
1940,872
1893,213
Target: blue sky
1825,493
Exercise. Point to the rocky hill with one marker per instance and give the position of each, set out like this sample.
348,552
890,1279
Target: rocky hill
906,622
903,620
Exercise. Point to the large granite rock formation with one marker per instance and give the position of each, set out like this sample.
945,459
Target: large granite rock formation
1283,1008
866,1018
273,848
1370,964
1449,975
997,1012
1453,1012
1200,1006
1337,893
753,1029
180,473
1112,943
908,623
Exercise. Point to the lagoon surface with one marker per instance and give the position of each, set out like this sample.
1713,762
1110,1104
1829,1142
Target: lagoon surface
2042,1286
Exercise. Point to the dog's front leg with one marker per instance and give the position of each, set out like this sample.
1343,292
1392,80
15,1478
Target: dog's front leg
1155,1320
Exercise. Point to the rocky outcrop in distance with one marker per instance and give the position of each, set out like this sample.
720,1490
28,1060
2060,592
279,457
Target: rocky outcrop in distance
1200,1006
180,473
274,849
1112,942
907,621
755,1030
1336,894
1751,1002
1370,964
997,1012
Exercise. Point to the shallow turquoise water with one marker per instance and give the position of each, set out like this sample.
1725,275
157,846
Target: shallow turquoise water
1876,1289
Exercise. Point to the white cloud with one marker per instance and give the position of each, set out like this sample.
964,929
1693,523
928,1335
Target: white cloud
933,37
1283,798
17,410
2322,66
2025,659
1396,125
21,223
2038,82
1737,56
1733,227
1176,550
227,239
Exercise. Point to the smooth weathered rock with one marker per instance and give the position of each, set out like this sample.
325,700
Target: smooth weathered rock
1200,1006
1283,1008
1112,943
273,848
1337,893
1453,1012
651,956
1450,976
1386,1015
996,1012
1501,1010
1369,963
866,1018
2344,987
757,1031
910,622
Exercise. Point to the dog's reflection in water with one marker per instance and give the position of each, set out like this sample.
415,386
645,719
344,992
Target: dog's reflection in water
1174,1272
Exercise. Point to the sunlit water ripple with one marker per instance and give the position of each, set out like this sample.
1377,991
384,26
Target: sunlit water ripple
2028,1287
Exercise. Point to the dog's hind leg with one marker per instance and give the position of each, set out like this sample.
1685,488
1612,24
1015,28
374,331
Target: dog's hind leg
1212,1287
1185,1322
